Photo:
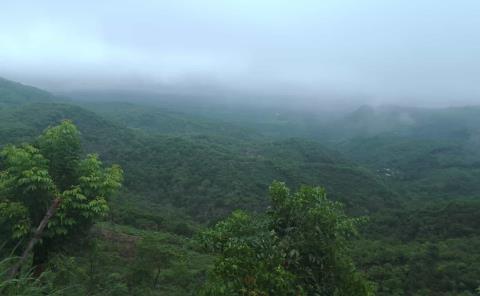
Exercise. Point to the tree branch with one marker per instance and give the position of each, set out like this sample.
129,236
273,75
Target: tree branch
36,236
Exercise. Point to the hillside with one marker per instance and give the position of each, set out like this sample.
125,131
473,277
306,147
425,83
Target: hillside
14,93
164,121
435,155
207,174
416,180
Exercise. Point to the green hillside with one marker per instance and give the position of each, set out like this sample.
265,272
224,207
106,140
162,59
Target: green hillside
209,173
13,93
412,172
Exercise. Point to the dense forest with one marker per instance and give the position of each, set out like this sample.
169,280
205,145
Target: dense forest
160,197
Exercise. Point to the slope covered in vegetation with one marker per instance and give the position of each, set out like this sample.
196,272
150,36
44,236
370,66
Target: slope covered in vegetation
412,172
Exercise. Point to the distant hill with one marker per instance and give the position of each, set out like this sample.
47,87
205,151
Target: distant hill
261,115
205,174
414,173
164,121
429,153
455,123
14,93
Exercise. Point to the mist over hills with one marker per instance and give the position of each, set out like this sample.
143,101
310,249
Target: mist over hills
190,145
234,148
188,164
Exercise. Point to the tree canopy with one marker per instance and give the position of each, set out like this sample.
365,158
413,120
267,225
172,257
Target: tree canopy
34,175
300,247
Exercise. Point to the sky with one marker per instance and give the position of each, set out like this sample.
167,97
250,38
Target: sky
420,52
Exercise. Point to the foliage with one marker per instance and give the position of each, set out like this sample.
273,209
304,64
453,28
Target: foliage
152,259
25,284
413,171
299,248
193,169
249,262
34,176
122,260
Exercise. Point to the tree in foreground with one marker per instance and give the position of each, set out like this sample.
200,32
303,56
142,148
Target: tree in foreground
47,189
299,247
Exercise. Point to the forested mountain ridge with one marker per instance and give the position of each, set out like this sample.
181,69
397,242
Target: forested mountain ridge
409,148
420,123
431,154
328,126
193,170
14,93
416,180
165,121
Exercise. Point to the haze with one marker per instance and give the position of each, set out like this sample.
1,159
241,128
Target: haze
381,52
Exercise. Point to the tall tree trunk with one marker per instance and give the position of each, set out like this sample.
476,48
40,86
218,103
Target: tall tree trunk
36,237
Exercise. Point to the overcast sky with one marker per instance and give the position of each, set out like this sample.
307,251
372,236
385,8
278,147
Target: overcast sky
423,51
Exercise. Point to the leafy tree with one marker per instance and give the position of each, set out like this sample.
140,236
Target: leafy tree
300,247
51,171
250,261
151,260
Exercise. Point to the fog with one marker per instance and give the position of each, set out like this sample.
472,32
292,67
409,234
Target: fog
424,53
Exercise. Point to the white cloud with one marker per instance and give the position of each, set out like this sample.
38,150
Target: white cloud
390,50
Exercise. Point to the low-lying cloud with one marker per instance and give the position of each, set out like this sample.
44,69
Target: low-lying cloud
415,52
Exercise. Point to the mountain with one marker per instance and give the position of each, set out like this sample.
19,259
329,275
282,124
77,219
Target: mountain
414,172
14,93
209,173
454,123
427,153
